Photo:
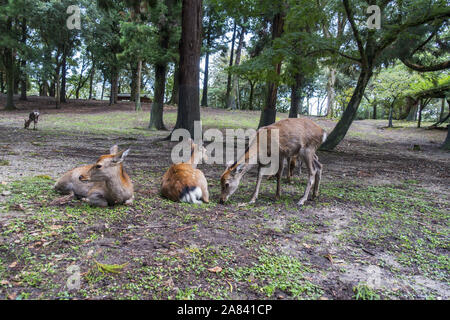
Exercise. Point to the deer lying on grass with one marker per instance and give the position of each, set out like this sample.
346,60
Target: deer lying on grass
297,137
33,117
101,184
184,182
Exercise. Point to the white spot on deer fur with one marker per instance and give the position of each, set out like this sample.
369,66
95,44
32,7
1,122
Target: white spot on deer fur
193,196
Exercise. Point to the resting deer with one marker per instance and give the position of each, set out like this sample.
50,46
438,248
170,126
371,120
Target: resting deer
297,137
32,117
184,182
101,184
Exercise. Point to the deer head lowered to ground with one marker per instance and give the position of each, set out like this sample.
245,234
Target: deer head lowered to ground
101,184
32,117
184,182
297,137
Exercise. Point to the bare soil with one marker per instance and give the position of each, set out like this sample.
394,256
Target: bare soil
381,219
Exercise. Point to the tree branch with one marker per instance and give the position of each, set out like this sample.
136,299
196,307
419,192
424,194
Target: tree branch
396,30
420,68
355,33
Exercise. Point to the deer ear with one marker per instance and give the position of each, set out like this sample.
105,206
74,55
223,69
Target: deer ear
121,156
239,168
114,149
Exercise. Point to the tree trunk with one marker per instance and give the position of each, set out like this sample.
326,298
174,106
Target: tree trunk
45,89
8,62
23,64
205,82
103,88
9,69
138,87
441,114
114,86
233,98
190,45
134,71
58,89
269,112
412,105
250,100
330,91
175,92
91,80
51,89
390,116
295,96
374,116
233,39
157,110
63,76
350,112
2,84
307,106
204,102
421,106
446,144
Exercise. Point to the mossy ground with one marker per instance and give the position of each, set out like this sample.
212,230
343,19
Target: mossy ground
379,230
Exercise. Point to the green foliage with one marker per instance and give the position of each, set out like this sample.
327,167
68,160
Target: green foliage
364,292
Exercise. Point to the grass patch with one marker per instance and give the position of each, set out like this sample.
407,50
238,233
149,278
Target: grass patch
278,273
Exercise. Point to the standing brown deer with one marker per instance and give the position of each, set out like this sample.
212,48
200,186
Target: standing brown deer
32,117
184,182
297,137
101,184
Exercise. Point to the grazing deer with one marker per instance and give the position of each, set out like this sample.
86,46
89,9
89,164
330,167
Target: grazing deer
292,163
101,184
184,182
299,137
33,117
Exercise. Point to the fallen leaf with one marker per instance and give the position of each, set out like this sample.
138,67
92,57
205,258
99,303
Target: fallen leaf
12,265
18,207
307,246
4,282
12,296
329,257
215,269
55,227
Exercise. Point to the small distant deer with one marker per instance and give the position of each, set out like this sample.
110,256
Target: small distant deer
33,117
101,184
184,182
298,137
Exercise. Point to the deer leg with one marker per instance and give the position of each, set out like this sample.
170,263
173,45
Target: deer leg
258,184
289,168
279,174
97,199
307,157
318,166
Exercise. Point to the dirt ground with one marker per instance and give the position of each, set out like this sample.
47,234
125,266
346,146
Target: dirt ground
379,229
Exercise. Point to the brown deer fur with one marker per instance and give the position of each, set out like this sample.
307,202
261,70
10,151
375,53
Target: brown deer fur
101,184
183,182
299,137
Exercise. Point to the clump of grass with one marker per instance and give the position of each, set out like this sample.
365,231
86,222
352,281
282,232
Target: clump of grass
110,268
4,162
364,292
278,272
